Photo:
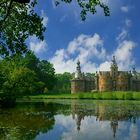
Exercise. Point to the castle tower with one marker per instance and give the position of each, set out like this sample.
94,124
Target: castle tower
96,81
78,82
105,81
114,67
114,73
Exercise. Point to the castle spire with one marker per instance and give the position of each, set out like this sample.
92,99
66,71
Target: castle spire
114,72
134,71
114,64
114,126
114,60
78,68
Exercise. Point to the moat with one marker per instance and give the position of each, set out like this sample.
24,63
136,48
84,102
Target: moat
71,120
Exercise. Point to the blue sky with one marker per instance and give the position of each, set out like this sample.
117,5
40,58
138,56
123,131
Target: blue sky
93,41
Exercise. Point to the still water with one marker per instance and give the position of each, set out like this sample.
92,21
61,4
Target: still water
71,120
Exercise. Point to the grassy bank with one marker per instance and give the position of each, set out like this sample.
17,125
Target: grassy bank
97,96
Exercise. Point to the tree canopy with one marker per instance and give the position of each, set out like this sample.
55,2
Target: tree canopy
18,22
25,75
63,84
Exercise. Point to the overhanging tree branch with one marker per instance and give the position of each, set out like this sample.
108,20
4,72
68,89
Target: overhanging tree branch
8,11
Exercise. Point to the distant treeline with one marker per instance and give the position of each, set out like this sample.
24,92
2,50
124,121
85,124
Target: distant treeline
63,83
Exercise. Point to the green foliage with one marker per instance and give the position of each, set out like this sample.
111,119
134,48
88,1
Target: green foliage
63,84
107,96
17,79
97,96
30,61
129,96
88,6
136,95
25,75
45,90
46,74
43,69
80,95
18,22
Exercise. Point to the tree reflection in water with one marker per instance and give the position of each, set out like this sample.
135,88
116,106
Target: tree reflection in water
26,121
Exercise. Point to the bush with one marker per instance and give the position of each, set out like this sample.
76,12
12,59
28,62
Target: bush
107,96
80,95
98,96
136,95
129,96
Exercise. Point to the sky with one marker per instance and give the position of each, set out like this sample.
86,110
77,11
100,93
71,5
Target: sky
94,41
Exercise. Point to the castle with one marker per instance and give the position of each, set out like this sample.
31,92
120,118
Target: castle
113,80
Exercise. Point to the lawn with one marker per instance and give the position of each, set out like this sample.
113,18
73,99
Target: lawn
118,95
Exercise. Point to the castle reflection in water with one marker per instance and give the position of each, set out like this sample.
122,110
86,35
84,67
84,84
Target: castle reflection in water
104,112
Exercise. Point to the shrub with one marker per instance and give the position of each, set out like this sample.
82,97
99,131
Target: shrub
107,95
98,96
80,95
129,96
136,95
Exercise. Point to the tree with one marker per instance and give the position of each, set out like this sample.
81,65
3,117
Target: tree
18,21
31,61
63,82
46,74
18,80
43,69
24,75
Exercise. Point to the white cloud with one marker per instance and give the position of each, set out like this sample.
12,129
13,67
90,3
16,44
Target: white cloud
125,48
122,35
37,46
105,66
45,18
125,9
61,63
90,128
85,48
124,54
88,48
89,67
